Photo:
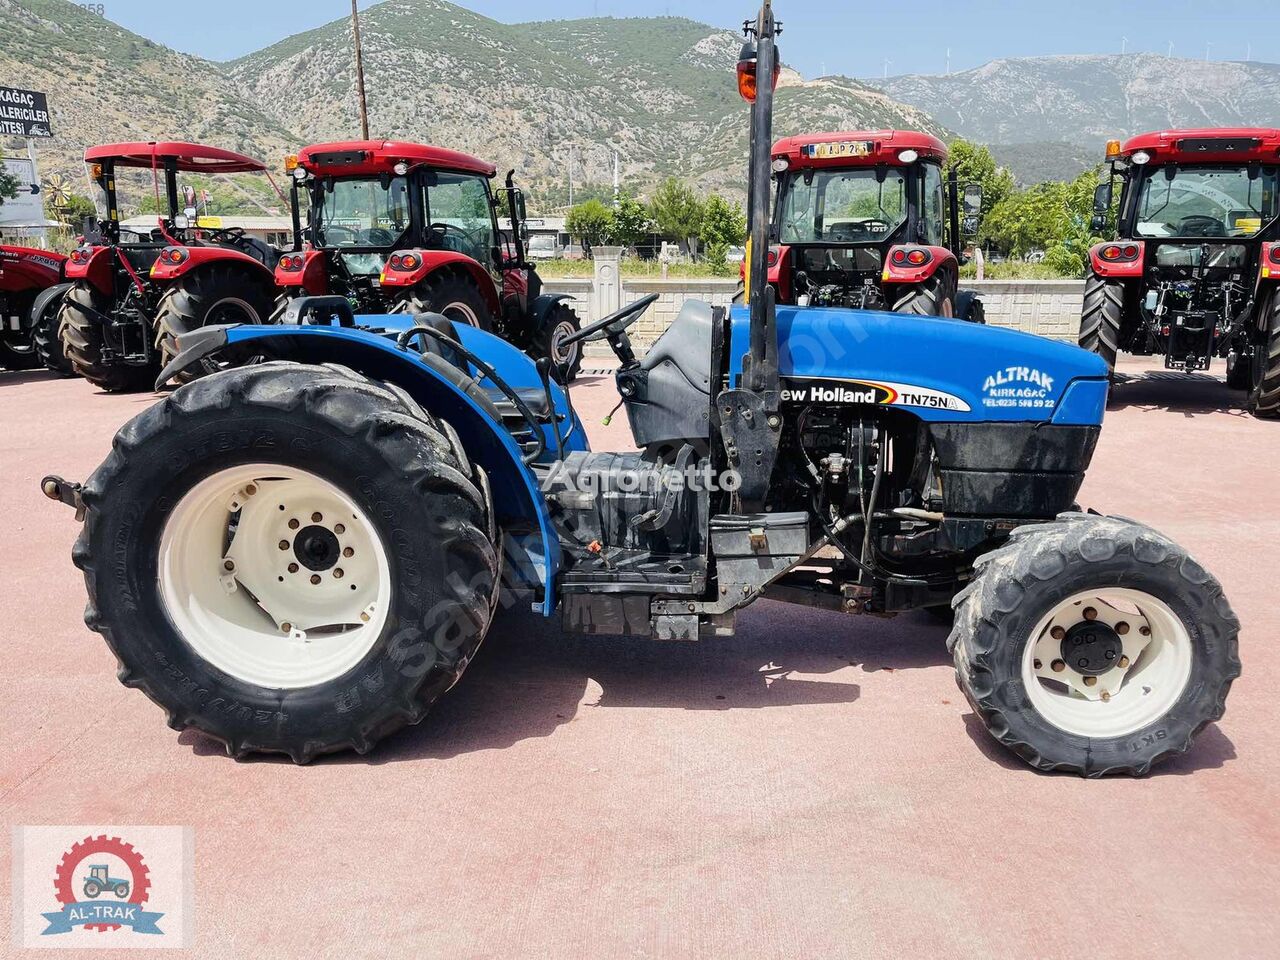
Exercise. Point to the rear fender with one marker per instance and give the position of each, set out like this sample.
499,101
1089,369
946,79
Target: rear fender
312,276
197,258
427,262
778,273
544,308
94,266
25,268
1270,261
937,259
1126,262
532,546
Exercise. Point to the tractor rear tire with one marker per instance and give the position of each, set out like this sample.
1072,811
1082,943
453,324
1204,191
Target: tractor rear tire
566,361
405,506
17,349
1100,318
220,293
1029,618
929,298
1264,397
969,308
450,293
44,329
82,343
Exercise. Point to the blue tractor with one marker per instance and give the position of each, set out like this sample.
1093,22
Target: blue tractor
302,555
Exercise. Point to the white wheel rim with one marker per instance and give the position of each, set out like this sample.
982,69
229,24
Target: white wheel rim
249,589
461,313
1152,664
559,353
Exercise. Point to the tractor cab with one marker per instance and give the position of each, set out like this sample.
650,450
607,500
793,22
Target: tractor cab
1191,262
869,220
109,320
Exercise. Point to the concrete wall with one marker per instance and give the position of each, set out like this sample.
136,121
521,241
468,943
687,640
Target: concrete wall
1050,308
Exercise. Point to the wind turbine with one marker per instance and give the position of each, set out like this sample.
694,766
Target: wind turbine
887,64
1208,45
1124,46
1170,52
948,61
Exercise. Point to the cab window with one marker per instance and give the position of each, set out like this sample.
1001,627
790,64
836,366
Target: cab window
934,206
461,215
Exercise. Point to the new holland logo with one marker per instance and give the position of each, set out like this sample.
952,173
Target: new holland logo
842,392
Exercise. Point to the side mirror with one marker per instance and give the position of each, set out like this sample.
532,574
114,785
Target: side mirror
1098,223
972,200
969,226
1102,198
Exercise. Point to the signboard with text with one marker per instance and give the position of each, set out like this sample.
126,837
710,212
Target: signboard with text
27,208
24,113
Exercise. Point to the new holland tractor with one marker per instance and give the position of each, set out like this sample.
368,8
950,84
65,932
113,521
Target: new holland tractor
870,220
31,290
407,228
1192,272
303,555
132,295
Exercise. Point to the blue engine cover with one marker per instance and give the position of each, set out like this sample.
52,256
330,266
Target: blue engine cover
940,370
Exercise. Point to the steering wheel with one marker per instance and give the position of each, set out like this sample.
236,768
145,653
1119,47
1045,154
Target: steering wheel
232,235
1200,225
380,237
329,237
446,228
614,329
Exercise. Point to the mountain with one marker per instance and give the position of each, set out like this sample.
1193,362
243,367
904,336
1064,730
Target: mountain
661,91
1054,114
106,84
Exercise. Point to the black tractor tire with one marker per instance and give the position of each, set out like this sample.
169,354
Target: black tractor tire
44,329
404,468
216,294
451,293
1100,318
1041,567
969,307
18,352
1264,395
929,298
562,322
82,344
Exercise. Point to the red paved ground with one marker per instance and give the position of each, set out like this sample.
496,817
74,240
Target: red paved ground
815,787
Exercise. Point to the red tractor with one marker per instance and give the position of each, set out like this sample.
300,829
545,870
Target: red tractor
407,228
31,288
871,220
133,294
1192,272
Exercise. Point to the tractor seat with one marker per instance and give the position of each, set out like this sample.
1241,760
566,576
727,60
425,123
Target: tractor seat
260,250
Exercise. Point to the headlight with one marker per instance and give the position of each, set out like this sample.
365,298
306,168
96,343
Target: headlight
1140,157
908,156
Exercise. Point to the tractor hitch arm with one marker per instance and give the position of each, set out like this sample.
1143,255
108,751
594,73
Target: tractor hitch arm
64,491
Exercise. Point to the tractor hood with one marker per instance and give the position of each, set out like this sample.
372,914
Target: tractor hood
941,370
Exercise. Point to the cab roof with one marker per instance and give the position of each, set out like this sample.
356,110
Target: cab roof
191,157
885,145
1206,144
355,157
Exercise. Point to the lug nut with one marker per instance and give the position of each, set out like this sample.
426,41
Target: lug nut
1082,663
339,529
1144,630
1124,662
1058,666
1037,664
337,573
286,627
1106,697
284,544
348,552
1057,633
315,578
228,565
317,517
294,524
251,489
293,568
1090,613
1122,628
364,618
1090,681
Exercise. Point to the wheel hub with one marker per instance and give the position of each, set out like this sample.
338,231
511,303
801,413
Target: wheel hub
316,547
1091,648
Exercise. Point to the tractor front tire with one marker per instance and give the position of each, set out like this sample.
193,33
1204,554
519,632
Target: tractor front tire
969,308
453,294
290,558
216,294
1094,645
566,361
44,329
1100,318
929,298
82,344
1264,397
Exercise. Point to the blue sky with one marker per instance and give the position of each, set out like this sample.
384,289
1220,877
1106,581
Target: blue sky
853,38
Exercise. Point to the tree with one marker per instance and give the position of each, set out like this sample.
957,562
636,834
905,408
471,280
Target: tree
975,164
677,212
591,222
8,184
1053,217
630,221
724,225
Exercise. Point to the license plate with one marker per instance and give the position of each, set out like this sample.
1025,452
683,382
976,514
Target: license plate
841,148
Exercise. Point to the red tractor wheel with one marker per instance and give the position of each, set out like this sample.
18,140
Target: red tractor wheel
452,294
